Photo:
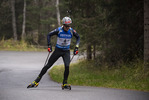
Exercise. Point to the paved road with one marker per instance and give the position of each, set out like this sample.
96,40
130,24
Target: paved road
18,69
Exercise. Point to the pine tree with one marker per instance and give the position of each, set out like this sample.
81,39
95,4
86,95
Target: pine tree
24,21
14,20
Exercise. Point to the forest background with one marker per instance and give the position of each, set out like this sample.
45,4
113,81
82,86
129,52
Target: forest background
110,30
113,33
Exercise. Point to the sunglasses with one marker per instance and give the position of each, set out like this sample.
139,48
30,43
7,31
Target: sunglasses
66,25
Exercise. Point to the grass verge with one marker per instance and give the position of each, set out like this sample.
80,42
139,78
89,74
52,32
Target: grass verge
11,45
84,73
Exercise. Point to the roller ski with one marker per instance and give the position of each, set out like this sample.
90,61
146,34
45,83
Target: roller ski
65,85
33,85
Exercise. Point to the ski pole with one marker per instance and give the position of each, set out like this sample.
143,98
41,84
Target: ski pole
71,58
46,59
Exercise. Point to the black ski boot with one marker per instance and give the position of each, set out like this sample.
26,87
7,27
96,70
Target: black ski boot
64,82
34,83
65,85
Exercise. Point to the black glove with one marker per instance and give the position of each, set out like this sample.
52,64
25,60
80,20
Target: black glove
75,51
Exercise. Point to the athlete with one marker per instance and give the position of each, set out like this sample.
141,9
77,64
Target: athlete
62,49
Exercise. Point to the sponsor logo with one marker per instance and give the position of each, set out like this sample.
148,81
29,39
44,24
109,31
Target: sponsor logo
65,35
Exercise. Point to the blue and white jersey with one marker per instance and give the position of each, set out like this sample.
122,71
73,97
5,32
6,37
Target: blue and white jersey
63,37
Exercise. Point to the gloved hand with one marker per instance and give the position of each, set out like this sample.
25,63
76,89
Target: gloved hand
75,51
50,48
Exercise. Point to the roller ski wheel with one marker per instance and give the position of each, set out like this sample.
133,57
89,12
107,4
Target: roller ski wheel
33,85
66,86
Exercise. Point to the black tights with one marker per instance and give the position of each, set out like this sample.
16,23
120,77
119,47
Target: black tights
65,54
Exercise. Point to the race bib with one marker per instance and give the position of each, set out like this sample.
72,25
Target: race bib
63,42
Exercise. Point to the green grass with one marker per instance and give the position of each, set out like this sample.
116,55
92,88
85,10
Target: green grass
11,45
86,74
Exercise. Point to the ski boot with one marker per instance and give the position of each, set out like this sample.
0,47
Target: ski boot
65,85
33,84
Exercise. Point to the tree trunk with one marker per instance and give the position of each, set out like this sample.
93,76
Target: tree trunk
94,51
146,34
24,21
14,20
58,12
89,52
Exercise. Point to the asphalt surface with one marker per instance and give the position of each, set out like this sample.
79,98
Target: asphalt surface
18,69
